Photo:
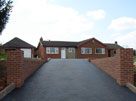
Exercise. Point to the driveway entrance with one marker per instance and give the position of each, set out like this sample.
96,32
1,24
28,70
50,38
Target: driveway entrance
70,80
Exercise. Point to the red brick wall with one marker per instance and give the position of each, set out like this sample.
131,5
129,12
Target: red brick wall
3,83
120,67
92,45
18,68
31,66
41,51
15,67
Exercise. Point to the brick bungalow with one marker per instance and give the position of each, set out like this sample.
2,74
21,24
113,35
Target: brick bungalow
17,43
90,48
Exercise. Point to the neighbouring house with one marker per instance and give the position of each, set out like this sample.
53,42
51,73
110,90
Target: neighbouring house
17,43
90,48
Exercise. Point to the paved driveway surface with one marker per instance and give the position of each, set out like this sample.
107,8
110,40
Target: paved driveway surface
70,80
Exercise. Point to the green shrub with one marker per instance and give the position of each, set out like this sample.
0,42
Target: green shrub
3,56
135,68
134,58
2,69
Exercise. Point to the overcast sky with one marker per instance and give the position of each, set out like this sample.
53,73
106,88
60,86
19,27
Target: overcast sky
73,20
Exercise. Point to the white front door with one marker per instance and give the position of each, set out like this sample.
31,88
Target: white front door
63,53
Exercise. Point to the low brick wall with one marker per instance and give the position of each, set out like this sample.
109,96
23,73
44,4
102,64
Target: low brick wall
31,66
120,67
2,74
18,68
3,83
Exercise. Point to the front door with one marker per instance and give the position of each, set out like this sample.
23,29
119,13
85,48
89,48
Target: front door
63,53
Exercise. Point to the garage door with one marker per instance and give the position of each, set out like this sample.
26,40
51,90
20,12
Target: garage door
27,52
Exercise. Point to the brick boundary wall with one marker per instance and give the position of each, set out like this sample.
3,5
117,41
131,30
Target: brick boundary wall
2,83
120,67
18,68
31,66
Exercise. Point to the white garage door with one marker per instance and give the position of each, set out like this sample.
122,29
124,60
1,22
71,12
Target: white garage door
27,52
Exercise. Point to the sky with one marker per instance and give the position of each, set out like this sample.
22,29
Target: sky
73,20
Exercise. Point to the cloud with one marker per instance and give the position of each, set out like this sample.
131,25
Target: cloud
125,31
98,14
123,23
86,36
32,19
127,40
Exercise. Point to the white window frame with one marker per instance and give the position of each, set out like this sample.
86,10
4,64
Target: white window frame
83,50
48,50
71,50
103,50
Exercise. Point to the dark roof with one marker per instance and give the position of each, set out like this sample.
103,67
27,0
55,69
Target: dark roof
17,43
113,46
74,44
60,43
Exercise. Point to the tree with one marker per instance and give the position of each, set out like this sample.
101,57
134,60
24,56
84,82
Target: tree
5,9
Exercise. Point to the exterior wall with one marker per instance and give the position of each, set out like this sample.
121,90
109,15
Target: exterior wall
70,55
18,68
120,67
41,51
92,45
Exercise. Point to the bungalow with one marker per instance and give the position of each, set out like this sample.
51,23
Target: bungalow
90,48
17,43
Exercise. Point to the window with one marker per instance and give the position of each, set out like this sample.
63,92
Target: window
114,52
100,50
52,50
86,50
71,50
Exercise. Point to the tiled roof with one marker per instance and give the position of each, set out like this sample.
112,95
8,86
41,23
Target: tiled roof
60,43
17,43
73,44
113,46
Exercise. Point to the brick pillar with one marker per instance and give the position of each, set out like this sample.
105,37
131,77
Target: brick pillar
15,72
124,67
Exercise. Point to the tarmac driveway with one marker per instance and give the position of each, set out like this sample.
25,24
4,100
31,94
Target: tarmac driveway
70,80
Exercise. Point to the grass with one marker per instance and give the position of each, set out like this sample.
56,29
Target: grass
3,56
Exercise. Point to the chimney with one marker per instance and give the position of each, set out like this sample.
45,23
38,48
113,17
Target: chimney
41,39
116,42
